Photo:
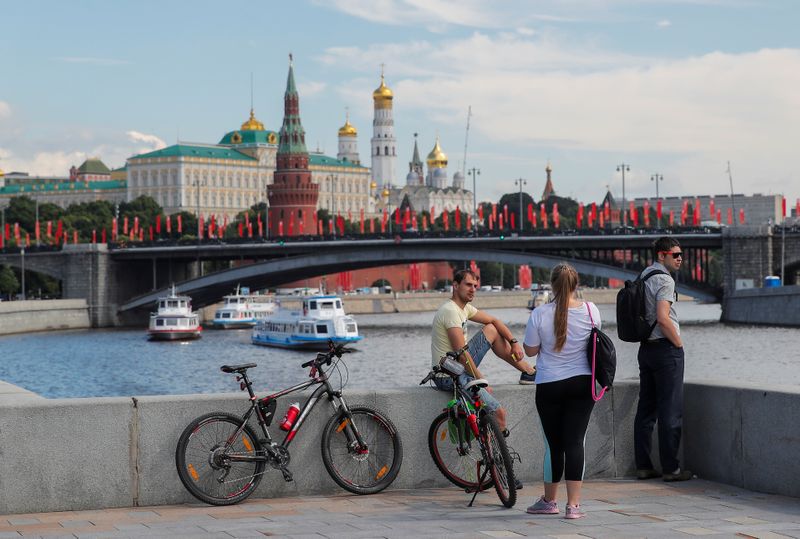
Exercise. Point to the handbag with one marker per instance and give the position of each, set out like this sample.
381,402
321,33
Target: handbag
602,359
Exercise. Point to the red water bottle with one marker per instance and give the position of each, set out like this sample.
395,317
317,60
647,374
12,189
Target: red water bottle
472,420
291,415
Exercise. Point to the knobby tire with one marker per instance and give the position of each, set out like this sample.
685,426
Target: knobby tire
201,460
353,468
501,467
459,469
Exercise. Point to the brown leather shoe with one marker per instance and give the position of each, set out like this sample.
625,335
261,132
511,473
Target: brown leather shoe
683,475
647,474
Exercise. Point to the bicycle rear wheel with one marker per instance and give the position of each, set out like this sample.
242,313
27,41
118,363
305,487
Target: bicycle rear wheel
362,470
203,459
500,465
458,463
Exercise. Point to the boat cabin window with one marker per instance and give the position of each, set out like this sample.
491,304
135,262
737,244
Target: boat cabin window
312,305
338,304
162,304
172,321
172,303
326,306
159,322
351,328
322,328
306,328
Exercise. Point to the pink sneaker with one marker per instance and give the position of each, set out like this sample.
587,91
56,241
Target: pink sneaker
543,507
574,511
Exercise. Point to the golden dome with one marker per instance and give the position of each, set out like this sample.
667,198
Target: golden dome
383,95
437,158
385,192
252,124
373,185
347,130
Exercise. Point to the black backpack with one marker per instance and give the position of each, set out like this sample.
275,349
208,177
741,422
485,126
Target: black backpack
602,358
632,326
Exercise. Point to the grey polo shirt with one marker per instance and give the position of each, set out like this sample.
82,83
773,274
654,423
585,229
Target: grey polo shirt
659,287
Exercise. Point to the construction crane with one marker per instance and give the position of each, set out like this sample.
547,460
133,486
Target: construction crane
466,141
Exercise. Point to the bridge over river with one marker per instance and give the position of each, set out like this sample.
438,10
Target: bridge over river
125,281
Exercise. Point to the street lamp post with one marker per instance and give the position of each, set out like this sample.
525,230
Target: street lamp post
386,195
22,256
657,178
36,223
475,172
333,204
198,183
520,182
624,168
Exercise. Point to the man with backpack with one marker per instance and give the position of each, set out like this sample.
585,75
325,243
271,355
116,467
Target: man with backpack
646,313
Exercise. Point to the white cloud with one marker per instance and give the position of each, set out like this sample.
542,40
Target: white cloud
431,13
692,114
153,142
113,148
308,89
664,23
91,60
5,109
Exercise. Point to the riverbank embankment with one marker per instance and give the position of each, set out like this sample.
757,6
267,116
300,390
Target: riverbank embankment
130,443
778,306
43,315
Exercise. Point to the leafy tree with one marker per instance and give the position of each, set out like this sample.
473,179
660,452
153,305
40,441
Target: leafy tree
9,283
512,200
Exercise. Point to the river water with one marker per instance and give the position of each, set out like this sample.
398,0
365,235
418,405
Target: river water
395,352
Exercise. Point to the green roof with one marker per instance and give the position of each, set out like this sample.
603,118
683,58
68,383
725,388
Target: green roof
186,150
93,166
250,137
324,160
66,187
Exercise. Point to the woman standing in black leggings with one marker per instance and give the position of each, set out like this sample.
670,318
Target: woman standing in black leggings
558,333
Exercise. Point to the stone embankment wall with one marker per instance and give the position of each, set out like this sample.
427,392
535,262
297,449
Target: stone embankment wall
779,306
43,315
73,454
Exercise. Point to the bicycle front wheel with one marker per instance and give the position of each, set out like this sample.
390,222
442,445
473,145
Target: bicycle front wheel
203,457
500,465
456,453
361,469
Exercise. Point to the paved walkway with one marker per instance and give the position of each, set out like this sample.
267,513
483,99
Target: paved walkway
616,509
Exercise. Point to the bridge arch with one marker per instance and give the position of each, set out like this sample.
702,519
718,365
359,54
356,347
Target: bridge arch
210,288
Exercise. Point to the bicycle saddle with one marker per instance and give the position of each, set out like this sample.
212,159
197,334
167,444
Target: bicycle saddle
237,368
480,382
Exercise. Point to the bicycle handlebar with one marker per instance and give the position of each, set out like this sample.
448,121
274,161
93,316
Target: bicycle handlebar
325,358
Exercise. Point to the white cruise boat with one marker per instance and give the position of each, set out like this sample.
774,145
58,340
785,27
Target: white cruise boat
174,319
243,310
322,318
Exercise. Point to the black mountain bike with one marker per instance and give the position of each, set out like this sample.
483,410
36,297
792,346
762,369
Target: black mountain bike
465,441
220,458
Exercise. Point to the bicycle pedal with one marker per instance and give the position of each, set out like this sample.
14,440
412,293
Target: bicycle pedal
287,475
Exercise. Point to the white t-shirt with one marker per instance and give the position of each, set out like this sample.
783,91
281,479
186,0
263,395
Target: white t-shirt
552,366
448,316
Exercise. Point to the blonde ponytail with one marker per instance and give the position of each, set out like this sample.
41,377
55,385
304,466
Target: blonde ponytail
564,280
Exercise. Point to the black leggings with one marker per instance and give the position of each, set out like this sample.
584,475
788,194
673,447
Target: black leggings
564,409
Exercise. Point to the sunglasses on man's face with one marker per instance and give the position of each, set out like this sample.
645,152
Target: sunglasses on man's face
676,255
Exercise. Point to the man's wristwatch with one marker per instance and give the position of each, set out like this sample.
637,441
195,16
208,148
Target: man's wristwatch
513,341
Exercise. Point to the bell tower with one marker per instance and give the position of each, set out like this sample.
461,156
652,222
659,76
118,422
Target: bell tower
292,195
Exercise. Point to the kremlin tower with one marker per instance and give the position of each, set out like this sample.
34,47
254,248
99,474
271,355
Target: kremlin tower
548,187
383,146
437,167
292,195
348,143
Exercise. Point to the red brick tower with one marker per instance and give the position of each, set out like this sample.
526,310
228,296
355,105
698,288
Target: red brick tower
292,195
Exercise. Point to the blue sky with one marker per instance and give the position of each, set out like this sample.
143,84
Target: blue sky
674,87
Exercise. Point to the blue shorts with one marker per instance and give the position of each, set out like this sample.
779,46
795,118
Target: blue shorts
477,348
